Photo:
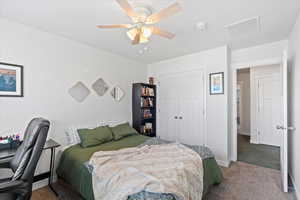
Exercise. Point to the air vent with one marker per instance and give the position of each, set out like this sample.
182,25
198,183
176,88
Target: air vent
244,27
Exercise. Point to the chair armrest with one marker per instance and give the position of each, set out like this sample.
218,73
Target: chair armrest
5,163
11,186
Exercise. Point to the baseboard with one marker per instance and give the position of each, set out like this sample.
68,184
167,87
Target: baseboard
223,163
253,141
244,133
42,183
295,187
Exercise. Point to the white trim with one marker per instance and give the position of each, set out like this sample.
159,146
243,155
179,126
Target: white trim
256,63
224,163
244,133
297,194
42,183
234,68
252,141
39,184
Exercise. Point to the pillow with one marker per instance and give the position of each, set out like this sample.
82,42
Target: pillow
72,133
123,130
96,136
72,136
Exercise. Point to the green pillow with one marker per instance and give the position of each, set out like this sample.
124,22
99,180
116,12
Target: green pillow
96,136
123,130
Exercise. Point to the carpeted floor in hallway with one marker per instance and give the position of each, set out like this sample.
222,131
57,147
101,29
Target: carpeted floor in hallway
258,154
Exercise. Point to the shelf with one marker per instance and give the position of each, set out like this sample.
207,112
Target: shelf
147,107
148,134
144,95
148,85
147,96
151,118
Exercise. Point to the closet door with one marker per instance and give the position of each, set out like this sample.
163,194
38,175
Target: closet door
191,108
168,108
168,120
180,104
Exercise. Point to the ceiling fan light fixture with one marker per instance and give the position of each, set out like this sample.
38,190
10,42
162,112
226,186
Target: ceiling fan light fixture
147,31
143,18
132,33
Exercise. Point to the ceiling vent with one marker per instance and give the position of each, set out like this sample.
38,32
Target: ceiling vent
244,27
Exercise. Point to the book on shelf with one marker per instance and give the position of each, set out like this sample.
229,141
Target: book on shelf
146,91
147,102
146,129
147,114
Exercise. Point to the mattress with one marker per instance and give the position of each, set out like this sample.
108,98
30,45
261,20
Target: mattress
72,168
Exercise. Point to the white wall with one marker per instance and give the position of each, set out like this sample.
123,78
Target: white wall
244,79
215,60
258,53
53,64
294,111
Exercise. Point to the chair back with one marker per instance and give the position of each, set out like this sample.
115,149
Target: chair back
28,154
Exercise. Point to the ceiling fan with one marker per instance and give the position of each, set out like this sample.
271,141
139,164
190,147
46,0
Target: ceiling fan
142,27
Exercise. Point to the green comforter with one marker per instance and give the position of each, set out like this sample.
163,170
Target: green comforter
73,171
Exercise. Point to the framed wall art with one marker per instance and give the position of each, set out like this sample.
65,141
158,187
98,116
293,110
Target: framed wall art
216,83
11,80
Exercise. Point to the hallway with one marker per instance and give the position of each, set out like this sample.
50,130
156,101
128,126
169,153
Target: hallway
258,154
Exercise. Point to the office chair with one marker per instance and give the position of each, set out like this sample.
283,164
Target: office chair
23,164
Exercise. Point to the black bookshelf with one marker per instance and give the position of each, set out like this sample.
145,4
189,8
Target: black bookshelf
144,108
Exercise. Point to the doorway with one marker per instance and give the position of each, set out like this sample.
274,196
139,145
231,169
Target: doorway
181,105
259,109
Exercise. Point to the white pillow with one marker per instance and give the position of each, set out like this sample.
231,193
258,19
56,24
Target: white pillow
72,133
72,136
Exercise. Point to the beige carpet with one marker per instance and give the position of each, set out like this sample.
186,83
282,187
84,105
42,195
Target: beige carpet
244,181
241,182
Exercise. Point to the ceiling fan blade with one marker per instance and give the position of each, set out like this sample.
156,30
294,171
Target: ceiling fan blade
127,8
162,33
137,38
115,26
171,10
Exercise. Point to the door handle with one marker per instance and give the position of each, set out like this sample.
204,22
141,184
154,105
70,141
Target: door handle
278,127
290,128
180,117
175,117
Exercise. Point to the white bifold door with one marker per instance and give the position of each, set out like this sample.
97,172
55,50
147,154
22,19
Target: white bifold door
181,107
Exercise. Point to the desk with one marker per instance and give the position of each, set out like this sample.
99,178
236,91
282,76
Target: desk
50,144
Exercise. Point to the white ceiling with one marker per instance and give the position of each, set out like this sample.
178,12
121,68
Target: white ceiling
77,19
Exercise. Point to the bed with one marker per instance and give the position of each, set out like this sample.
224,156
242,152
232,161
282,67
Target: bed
72,168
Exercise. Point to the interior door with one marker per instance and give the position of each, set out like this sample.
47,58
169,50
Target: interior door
168,108
191,108
284,127
191,129
181,105
270,109
168,118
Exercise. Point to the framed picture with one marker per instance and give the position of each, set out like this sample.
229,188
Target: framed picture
11,80
216,83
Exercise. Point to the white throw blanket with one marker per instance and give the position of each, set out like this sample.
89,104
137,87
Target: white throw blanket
168,168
